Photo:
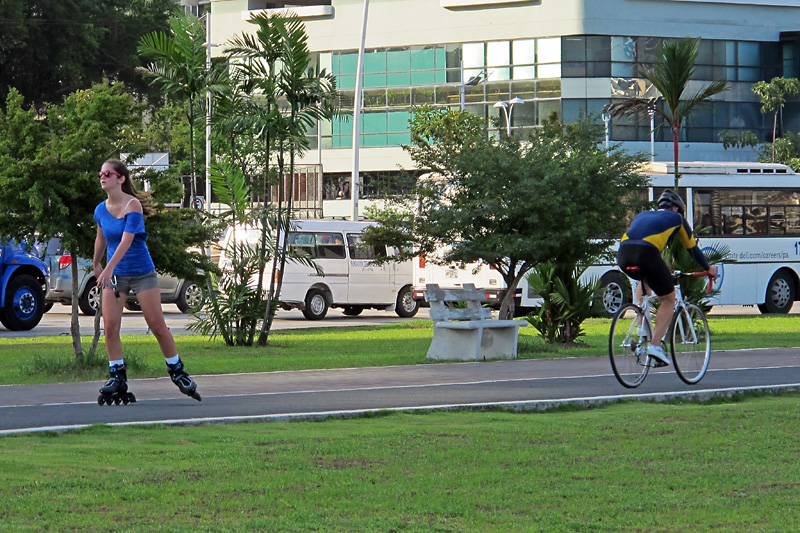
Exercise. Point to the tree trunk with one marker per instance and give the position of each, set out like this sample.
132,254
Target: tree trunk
74,325
278,265
774,134
193,186
96,333
676,129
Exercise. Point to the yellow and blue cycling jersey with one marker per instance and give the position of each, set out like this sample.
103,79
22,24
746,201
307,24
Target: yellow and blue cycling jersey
658,228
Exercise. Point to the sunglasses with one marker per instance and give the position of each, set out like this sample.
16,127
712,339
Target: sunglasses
107,173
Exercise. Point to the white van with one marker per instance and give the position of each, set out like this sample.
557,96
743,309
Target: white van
351,279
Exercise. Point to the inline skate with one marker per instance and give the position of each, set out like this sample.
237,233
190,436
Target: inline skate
115,391
184,382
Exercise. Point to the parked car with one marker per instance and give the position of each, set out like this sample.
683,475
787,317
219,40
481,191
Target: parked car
23,284
184,293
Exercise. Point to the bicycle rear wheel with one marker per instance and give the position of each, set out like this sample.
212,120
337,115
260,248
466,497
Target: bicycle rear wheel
690,344
627,346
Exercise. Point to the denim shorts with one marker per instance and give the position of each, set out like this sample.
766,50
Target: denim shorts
135,284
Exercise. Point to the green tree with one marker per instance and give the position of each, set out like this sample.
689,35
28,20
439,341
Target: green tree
51,48
670,75
557,198
50,182
48,174
773,97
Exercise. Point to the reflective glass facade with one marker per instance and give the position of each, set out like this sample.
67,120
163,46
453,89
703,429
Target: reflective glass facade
536,70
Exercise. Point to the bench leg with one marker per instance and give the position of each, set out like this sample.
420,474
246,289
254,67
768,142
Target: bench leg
499,343
455,344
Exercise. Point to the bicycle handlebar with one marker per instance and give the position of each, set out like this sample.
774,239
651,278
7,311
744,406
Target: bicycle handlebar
705,273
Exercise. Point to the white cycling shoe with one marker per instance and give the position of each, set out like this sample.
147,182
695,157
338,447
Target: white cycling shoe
659,357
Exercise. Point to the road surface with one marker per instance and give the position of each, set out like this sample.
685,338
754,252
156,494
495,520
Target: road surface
314,394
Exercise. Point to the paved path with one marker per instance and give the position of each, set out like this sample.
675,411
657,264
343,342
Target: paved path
314,394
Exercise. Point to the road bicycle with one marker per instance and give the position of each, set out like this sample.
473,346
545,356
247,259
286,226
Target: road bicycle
687,337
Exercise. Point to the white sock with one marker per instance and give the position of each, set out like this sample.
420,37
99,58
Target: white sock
115,363
173,360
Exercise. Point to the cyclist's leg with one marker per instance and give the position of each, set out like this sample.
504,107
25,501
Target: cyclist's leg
663,317
657,277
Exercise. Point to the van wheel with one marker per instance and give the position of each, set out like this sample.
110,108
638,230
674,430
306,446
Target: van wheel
406,306
780,294
316,305
133,306
89,300
352,310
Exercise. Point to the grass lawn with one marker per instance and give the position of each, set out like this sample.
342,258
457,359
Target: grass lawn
49,359
726,466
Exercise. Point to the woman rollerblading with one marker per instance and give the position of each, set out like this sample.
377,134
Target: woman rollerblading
122,239
116,388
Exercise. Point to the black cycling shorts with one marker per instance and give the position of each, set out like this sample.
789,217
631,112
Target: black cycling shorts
652,268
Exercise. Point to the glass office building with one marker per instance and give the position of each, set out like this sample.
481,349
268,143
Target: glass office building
569,57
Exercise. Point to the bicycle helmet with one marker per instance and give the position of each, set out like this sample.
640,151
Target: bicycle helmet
669,198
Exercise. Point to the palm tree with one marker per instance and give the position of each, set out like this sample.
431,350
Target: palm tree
670,75
277,101
179,68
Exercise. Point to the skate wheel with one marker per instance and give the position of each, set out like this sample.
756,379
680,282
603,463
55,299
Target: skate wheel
125,400
131,398
101,400
117,400
196,396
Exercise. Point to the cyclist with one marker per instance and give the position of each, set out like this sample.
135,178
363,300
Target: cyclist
641,247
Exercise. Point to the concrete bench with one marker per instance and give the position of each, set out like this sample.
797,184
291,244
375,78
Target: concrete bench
468,334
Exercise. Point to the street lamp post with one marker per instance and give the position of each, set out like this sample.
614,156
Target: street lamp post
354,177
508,108
606,120
208,45
652,113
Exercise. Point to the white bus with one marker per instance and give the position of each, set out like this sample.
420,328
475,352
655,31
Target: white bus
351,279
753,209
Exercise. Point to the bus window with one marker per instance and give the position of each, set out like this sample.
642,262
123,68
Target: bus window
792,220
732,220
747,212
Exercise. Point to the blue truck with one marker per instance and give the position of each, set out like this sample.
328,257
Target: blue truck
23,284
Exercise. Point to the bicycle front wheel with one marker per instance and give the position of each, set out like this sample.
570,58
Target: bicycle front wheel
627,346
690,343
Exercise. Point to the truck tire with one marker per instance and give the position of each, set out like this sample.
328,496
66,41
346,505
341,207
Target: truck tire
23,307
780,294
